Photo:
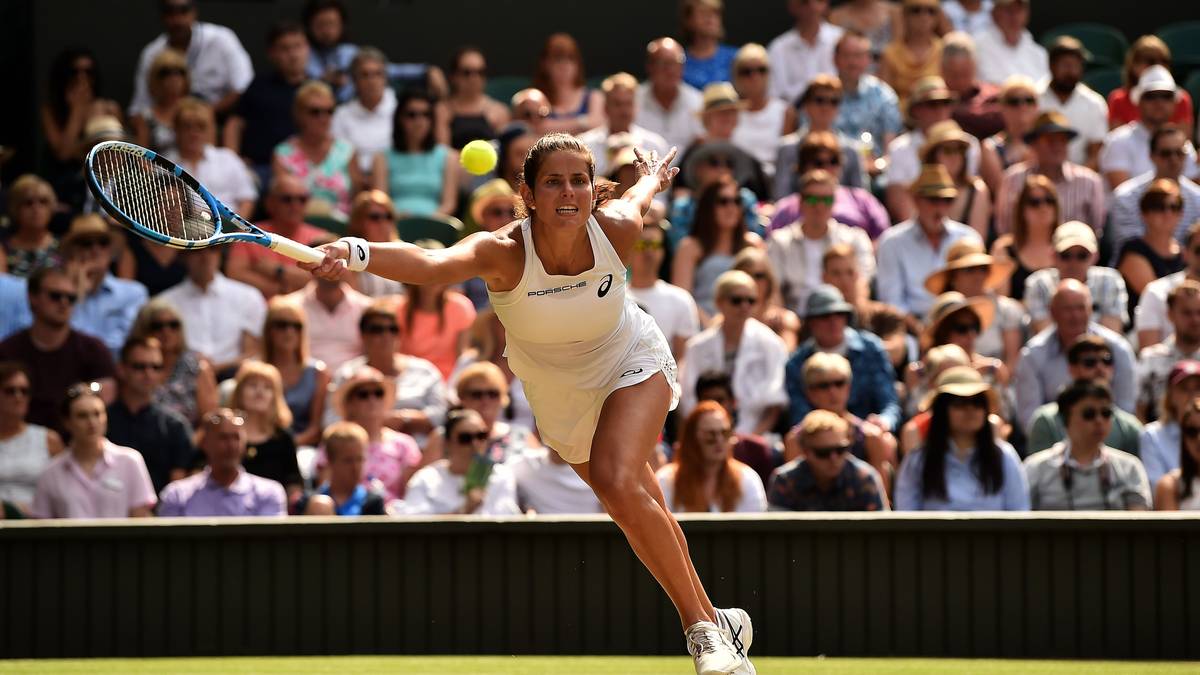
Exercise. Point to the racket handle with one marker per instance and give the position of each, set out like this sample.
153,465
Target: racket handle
294,250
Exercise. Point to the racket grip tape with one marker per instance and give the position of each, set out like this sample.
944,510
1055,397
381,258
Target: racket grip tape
294,250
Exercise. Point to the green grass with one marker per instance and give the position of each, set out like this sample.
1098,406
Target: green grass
577,665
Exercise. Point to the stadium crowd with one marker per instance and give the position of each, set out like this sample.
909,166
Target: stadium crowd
911,262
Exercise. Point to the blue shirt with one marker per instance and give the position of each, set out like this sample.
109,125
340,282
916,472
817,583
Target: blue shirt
108,313
199,496
1160,446
415,180
14,305
872,107
338,59
964,491
906,257
716,68
872,387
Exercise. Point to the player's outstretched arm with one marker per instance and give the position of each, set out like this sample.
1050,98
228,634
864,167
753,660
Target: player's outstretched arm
479,255
625,214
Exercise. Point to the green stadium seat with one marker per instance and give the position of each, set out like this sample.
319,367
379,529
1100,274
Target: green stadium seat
1184,40
1107,44
335,225
502,88
1103,80
443,229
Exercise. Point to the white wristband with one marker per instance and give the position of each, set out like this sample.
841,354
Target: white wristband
358,253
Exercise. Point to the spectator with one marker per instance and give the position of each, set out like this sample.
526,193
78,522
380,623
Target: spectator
707,59
1151,320
957,320
465,481
1006,48
305,379
1148,51
1042,370
270,272
1018,110
819,105
873,392
107,305
190,386
433,319
168,83
719,117
1156,361
1160,440
13,293
969,16
869,105
718,234
1167,152
136,420
492,206
1076,253
620,111
853,206
509,416
332,310
422,174
703,476
976,274
1126,151
840,270
1156,253
764,119
1080,190
793,250
271,449
224,317
931,102
218,169
826,477
665,104
804,51
25,449
769,309
1178,489
1083,107
473,114
220,67
672,307
1090,358
908,251
56,354
94,478
365,121
978,110
962,466
485,388
750,352
373,217
75,94
347,492
1030,245
915,51
559,74
264,115
935,361
27,242
750,449
876,20
419,402
224,487
1081,473
546,484
531,110
947,145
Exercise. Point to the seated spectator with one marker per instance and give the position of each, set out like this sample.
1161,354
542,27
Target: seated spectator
975,274
1178,489
876,20
707,164
739,343
870,109
750,449
25,449
804,51
719,116
909,250
620,112
703,476
1156,361
673,308
1090,358
1006,48
347,492
1151,320
1080,190
305,379
958,320
764,119
136,420
873,392
819,106
793,249
717,235
1076,254
1029,247
935,362
1167,153
915,51
107,305
332,310
488,340
1146,52
530,110
707,59
221,68
327,166
968,16
167,82
546,484
27,243
825,476
490,390
769,309
852,206
13,294
1156,253
422,174
56,354
559,74
1042,370
978,108
432,320
1161,438
466,481
74,94
473,114
1126,151
665,104
1081,473
373,217
947,145
840,270
1084,108
189,388
94,477
224,318
271,448
1018,111
962,466
224,488
365,121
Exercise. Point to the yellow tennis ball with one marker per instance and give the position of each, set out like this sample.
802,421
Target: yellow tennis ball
478,157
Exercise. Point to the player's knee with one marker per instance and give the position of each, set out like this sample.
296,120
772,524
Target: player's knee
614,483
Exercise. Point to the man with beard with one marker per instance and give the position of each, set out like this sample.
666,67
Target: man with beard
1085,109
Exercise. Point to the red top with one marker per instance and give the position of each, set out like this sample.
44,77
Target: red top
1121,110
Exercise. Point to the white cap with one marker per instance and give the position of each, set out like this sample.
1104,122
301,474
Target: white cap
1154,78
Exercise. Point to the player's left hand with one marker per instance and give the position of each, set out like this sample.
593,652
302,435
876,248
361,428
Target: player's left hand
659,168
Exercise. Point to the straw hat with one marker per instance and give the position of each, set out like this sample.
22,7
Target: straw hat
361,376
961,381
720,96
934,181
929,88
947,304
1050,122
81,227
964,254
494,190
946,131
103,128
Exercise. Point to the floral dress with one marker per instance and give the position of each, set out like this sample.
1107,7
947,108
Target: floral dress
329,180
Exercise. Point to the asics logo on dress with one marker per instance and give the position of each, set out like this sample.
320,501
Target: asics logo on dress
559,289
604,286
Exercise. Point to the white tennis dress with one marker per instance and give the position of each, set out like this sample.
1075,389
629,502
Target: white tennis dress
573,340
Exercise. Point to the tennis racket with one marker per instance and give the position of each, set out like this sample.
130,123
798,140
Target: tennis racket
160,201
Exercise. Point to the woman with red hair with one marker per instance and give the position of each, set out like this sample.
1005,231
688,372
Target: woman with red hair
574,107
704,476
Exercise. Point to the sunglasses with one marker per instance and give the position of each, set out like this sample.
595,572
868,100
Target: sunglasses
917,11
969,402
381,328
1014,101
1178,153
465,437
143,366
1158,96
825,162
378,216
293,199
752,70
827,452
818,200
826,100
168,72
739,300
1089,414
156,326
1093,361
647,245
727,201
964,328
720,162
364,393
472,72
60,296
38,201
481,394
15,391
1040,201
1188,432
281,324
417,114
945,201
318,112
92,242
1076,256
828,384
1161,207
760,276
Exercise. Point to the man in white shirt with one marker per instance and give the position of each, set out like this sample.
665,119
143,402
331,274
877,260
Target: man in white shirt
673,309
1086,110
365,121
218,65
1006,48
1126,150
968,16
665,105
620,109
547,484
1156,361
1150,319
803,52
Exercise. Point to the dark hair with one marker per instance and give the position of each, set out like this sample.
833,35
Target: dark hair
133,343
314,7
399,142
714,378
35,280
550,144
1192,232
383,308
704,224
62,69
462,51
555,45
454,417
942,335
413,293
1188,470
10,369
76,392
1086,344
1077,391
986,463
1161,192
282,28
1163,131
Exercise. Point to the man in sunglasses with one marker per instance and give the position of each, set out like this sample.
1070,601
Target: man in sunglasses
268,271
1066,93
55,354
1076,253
1007,48
1155,362
108,305
1126,150
826,477
1151,320
1168,153
1090,358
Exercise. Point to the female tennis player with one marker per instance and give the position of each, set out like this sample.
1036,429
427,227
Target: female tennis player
596,369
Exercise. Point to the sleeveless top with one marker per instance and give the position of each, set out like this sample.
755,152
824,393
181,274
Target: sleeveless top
330,179
178,393
758,132
704,285
300,395
1016,286
999,143
155,276
22,459
466,128
1161,266
415,180
162,136
581,110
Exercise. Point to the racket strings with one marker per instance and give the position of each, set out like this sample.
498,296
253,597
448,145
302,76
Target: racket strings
152,196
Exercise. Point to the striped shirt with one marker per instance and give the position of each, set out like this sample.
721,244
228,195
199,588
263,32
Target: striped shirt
1109,296
1081,195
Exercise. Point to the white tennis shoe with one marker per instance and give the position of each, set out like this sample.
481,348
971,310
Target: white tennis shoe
710,649
735,623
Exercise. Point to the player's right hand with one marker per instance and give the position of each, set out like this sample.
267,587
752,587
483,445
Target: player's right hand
333,266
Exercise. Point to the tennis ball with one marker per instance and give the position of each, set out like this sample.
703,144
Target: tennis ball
478,157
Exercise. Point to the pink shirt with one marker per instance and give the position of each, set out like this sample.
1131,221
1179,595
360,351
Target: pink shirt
253,253
387,463
333,337
119,484
425,340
